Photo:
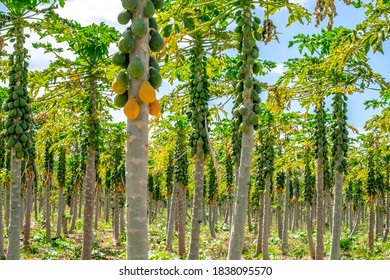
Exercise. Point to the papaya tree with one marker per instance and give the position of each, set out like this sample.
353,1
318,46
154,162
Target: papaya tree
48,171
17,17
137,86
90,44
180,185
61,177
3,96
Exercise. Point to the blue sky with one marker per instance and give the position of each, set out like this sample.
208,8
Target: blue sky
348,16
87,12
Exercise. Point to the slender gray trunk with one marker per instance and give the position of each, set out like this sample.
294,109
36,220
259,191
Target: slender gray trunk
168,206
89,187
337,213
236,241
137,157
60,210
279,215
267,217
36,196
81,197
15,208
249,217
22,209
196,220
7,204
356,223
29,196
74,212
211,220
181,210
116,215
330,210
286,215
320,209
378,219
48,208
294,217
97,207
310,230
259,247
371,226
2,255
172,215
107,207
122,223
387,216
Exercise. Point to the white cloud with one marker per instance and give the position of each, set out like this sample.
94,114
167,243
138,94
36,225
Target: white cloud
87,12
279,69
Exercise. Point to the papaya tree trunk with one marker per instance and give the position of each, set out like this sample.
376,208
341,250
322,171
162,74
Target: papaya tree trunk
387,212
7,203
211,221
15,208
137,156
168,207
116,215
249,216
74,212
88,205
337,213
310,230
60,210
330,210
371,226
320,210
286,215
48,208
2,255
97,207
172,215
29,197
279,215
107,207
197,206
259,247
267,217
236,241
181,209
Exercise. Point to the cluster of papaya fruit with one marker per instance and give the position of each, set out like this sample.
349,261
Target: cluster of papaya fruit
269,155
181,161
134,68
339,133
199,94
18,122
260,178
320,131
247,87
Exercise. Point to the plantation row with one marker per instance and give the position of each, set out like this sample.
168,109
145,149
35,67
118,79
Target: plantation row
220,167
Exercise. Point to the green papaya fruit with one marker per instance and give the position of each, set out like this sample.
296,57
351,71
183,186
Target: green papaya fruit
158,4
129,4
126,43
155,78
124,17
149,9
121,100
156,42
120,59
139,27
136,68
244,127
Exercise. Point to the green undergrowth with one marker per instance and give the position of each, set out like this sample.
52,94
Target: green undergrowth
69,247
